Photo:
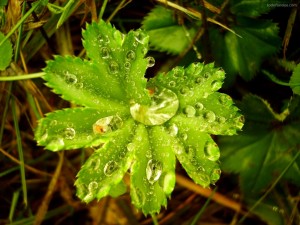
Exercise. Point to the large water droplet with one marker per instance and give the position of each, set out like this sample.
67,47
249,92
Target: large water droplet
140,37
104,52
56,144
164,105
70,78
114,67
110,168
216,85
130,55
190,111
210,116
127,65
93,186
107,124
69,133
153,170
211,151
151,61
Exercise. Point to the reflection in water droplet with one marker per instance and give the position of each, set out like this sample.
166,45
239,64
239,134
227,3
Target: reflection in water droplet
151,61
210,116
211,151
114,67
69,133
104,52
107,124
190,111
173,130
70,78
110,168
153,170
130,55
164,105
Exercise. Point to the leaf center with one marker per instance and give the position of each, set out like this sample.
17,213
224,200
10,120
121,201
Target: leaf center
164,105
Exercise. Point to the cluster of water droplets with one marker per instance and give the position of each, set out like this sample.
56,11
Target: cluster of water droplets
72,79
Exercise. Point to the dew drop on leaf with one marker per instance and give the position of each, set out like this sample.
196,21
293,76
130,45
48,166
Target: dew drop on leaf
127,65
172,83
94,164
215,175
183,136
189,111
113,67
164,105
216,85
199,106
56,144
93,186
140,37
104,52
107,124
69,133
130,147
173,130
184,90
110,167
151,61
199,80
221,119
212,151
210,116
130,55
70,78
207,75
53,122
153,170
189,150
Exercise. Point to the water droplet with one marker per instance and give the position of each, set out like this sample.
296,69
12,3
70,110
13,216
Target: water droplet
221,119
127,65
53,122
110,168
190,111
94,163
173,130
130,147
79,85
275,208
199,80
225,100
69,133
153,170
184,136
189,150
138,197
184,90
172,83
164,105
211,151
241,119
100,38
130,55
44,136
114,67
210,116
178,72
215,175
70,78
151,61
107,124
56,144
104,52
206,75
141,37
93,186
178,149
220,74
199,106
216,85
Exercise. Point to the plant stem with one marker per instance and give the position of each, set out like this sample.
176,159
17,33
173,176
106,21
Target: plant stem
22,77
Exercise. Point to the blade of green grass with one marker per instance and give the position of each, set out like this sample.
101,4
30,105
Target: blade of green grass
5,111
20,151
22,77
18,43
13,205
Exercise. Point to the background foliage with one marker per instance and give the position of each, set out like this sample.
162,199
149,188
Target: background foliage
255,42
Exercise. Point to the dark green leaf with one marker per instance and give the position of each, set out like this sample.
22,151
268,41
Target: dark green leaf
5,52
295,80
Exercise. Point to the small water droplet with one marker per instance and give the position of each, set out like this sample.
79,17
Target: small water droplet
44,136
221,119
189,150
220,74
190,111
215,175
199,106
53,122
275,208
172,83
153,170
79,85
56,144
69,133
130,147
184,136
151,61
127,65
110,168
70,78
216,85
104,52
210,116
173,130
107,124
206,75
211,151
93,186
130,55
114,67
199,80
184,90
140,37
225,100
94,163
178,72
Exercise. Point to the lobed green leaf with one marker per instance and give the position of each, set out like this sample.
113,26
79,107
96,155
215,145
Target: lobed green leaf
5,52
295,80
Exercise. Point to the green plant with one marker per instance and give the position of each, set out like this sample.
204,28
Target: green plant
133,124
